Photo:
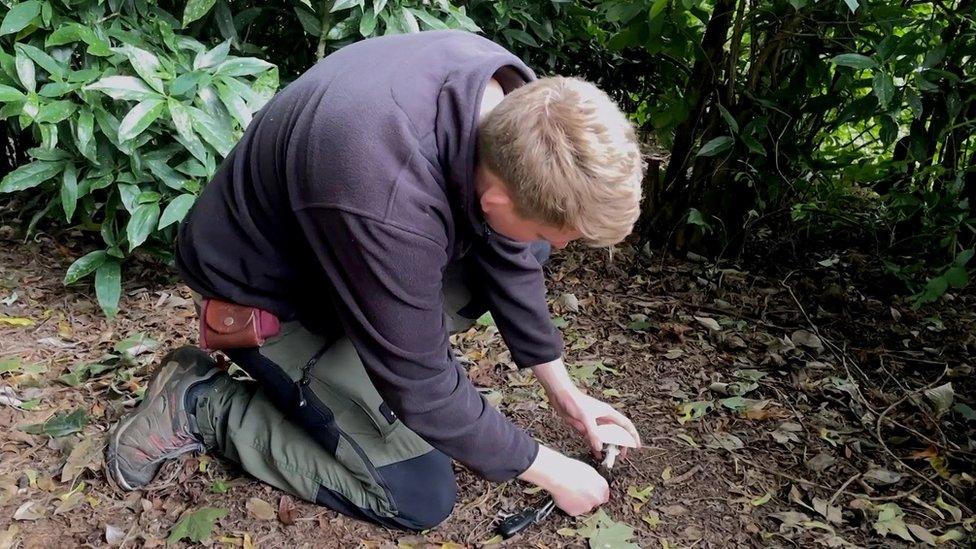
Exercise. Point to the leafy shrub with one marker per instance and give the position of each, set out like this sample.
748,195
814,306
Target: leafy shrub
130,119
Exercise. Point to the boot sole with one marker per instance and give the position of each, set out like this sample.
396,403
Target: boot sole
111,468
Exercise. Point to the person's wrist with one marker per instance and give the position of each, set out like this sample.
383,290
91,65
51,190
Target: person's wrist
540,472
555,379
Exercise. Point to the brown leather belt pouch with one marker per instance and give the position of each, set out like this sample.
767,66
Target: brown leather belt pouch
225,325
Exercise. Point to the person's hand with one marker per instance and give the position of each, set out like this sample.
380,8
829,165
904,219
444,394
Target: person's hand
583,413
575,486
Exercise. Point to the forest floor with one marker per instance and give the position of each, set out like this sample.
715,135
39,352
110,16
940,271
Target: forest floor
784,400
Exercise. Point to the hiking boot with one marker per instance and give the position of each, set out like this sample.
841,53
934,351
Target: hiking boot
163,426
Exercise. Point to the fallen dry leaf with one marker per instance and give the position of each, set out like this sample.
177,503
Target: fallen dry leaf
260,509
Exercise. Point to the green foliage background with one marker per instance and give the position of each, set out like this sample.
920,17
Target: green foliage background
850,118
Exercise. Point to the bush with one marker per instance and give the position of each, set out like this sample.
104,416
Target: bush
130,120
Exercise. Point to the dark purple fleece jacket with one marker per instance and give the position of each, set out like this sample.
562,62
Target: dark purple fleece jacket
342,205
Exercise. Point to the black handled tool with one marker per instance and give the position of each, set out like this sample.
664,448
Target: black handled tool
519,521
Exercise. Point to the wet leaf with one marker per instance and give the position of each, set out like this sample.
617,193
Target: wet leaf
197,525
890,521
260,509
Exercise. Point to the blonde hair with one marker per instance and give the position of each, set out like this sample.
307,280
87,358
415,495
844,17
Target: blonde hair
568,156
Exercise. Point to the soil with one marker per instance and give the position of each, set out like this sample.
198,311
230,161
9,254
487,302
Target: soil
781,400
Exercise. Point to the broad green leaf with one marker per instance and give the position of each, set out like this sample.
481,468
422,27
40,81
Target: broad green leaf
65,34
854,60
343,5
48,63
729,119
69,190
963,257
486,320
195,9
84,133
84,266
19,16
60,425
934,56
128,88
184,126
956,276
225,21
8,93
436,24
237,107
243,66
176,210
884,88
716,146
367,23
656,8
212,57
30,175
25,71
144,219
214,133
310,22
56,89
408,20
196,526
145,63
108,286
140,117
167,175
519,35
53,112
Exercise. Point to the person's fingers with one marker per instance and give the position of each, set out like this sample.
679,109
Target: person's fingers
596,445
616,417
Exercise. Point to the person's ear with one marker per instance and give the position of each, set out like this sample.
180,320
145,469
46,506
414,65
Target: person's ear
495,198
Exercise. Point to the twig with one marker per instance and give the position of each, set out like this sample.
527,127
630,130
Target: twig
841,489
683,477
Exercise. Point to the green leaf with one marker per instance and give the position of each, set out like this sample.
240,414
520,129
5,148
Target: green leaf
854,60
934,56
656,8
145,63
176,210
212,131
195,9
716,146
729,119
962,259
309,21
69,191
367,23
60,425
212,57
128,88
8,93
180,116
604,532
343,5
243,66
884,88
196,526
409,21
84,133
140,117
30,175
25,71
485,320
108,286
65,34
436,24
141,224
84,266
56,89
956,276
852,4
46,62
75,377
518,35
19,16
53,112
237,107
891,521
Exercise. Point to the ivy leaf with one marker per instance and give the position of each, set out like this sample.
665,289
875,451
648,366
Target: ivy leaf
195,9
196,526
19,16
716,146
891,521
